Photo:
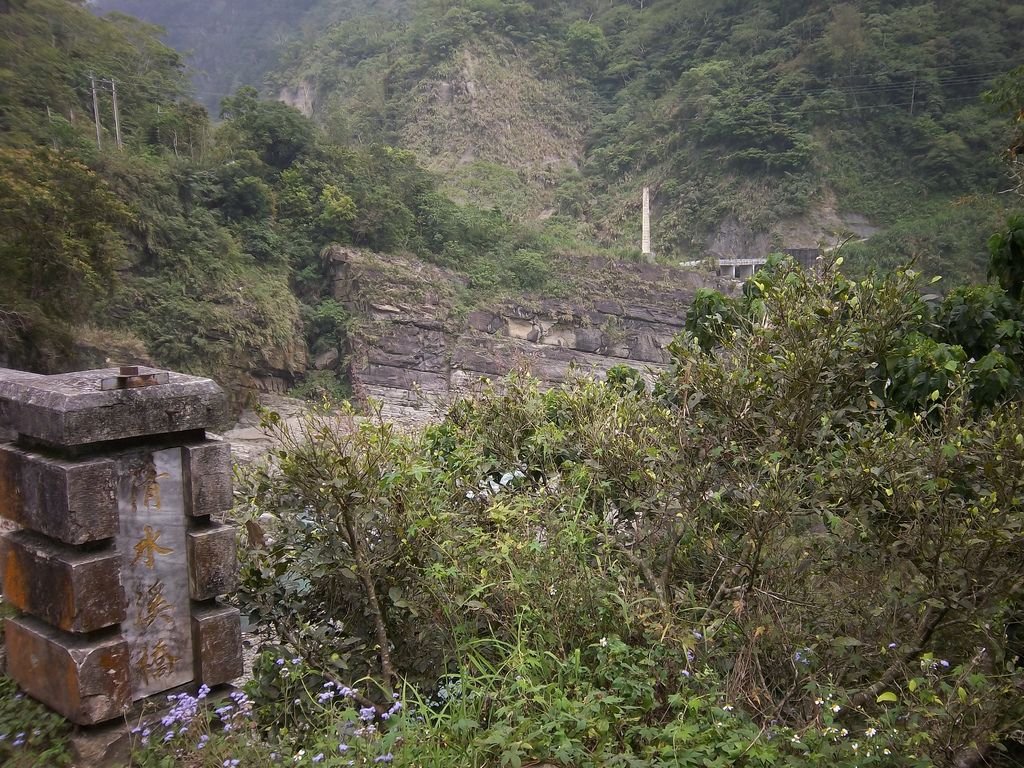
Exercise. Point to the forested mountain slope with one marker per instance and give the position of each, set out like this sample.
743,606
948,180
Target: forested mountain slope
756,124
192,246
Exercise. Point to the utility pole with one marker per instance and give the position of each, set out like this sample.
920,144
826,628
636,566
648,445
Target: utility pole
117,114
49,119
95,110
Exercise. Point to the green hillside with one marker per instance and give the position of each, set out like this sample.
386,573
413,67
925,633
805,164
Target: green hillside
746,119
194,246
487,137
801,545
757,125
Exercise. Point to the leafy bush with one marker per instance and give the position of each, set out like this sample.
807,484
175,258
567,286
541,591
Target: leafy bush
30,735
322,386
774,559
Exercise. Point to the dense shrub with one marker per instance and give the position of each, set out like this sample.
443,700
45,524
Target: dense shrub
770,560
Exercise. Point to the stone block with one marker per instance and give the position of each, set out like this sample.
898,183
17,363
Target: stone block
327,360
217,643
485,322
402,378
212,561
645,348
71,409
654,315
207,478
608,307
71,501
105,746
85,680
523,329
70,589
153,544
590,340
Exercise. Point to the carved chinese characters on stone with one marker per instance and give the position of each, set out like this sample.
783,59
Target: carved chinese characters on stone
152,542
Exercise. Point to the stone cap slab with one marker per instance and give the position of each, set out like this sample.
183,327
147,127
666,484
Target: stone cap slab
8,374
72,409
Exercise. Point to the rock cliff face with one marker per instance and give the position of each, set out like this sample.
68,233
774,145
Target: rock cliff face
417,340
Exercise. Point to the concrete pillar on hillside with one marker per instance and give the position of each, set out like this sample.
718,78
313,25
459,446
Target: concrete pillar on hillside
645,241
117,566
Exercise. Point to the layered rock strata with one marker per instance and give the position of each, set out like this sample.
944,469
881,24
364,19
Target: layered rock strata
419,338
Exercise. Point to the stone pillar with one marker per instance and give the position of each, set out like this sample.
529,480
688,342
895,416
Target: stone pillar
118,564
645,240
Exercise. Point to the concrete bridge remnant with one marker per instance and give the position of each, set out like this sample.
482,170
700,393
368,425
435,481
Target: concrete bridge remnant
117,563
741,268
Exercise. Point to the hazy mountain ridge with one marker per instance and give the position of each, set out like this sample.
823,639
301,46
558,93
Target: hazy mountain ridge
229,44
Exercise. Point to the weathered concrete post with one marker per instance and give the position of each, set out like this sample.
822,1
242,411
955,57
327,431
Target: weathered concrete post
645,224
118,564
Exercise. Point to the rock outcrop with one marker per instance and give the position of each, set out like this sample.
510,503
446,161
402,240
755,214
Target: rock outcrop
416,340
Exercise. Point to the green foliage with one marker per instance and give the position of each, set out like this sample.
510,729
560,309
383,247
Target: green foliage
626,379
326,324
586,48
61,244
355,589
925,236
202,242
50,48
750,113
974,330
276,132
1007,95
59,231
338,211
247,197
710,318
980,319
529,270
1007,257
30,734
322,386
810,530
288,712
921,371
